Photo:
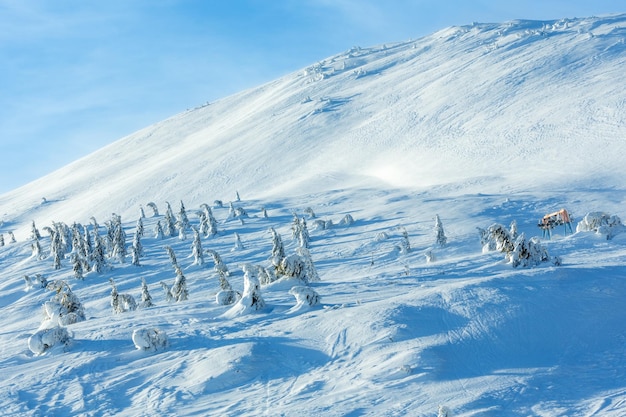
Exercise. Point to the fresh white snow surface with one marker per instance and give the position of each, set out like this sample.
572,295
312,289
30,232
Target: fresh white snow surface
479,125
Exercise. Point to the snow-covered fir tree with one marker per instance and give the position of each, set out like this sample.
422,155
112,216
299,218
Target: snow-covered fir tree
238,243
196,248
167,290
77,266
158,230
182,222
208,224
99,255
220,268
146,298
303,234
117,238
34,232
513,230
405,245
179,288
170,221
310,272
278,250
440,236
135,251
139,228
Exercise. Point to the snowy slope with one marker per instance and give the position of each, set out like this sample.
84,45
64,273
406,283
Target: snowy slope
480,124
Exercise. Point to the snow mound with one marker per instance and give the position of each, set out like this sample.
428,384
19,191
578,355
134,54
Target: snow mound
45,339
601,223
151,339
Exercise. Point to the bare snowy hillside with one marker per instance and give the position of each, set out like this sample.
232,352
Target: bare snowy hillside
511,106
371,309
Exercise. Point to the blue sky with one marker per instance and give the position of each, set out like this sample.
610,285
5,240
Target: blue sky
76,75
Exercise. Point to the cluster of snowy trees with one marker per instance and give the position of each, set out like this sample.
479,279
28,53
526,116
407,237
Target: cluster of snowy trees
518,250
95,249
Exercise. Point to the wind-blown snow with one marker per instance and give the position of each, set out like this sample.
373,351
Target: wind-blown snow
479,125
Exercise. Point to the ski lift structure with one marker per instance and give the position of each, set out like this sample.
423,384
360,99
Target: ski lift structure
552,220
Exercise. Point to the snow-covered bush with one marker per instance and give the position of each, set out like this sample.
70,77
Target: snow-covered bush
601,223
305,295
64,307
519,252
527,253
292,266
44,339
227,297
347,220
121,303
496,237
151,339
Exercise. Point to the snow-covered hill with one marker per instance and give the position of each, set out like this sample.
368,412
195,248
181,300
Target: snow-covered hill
480,124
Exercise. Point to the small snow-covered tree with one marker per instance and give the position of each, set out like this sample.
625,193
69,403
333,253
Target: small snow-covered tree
146,298
238,243
168,292
182,222
1,239
278,250
178,290
292,266
513,230
77,266
251,297
226,295
219,267
98,256
117,238
121,303
139,229
440,236
34,232
196,248
266,276
170,221
212,222
405,245
158,230
444,411
310,273
36,247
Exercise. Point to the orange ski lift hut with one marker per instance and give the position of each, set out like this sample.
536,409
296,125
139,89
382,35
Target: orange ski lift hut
552,220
